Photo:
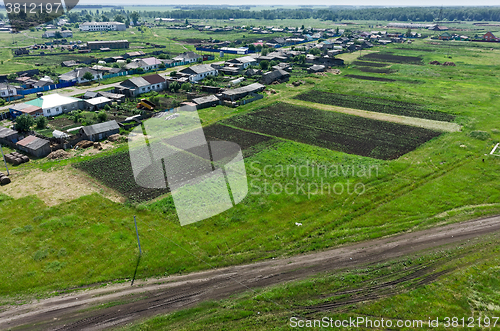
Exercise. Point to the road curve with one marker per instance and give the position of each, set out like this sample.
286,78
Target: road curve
156,296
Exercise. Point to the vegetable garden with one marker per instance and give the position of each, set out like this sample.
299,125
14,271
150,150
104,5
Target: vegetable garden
389,57
377,79
336,131
374,104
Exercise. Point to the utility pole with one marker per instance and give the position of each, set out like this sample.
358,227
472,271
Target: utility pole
136,232
5,162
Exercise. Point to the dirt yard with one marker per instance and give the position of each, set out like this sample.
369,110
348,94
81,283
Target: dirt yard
56,186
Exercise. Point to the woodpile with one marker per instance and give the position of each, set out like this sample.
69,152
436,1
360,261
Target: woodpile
84,144
451,64
16,158
4,179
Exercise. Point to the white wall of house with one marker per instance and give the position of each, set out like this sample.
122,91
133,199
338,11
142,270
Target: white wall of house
58,110
4,92
195,78
152,87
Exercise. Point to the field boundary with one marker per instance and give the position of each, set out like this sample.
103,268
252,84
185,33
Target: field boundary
398,119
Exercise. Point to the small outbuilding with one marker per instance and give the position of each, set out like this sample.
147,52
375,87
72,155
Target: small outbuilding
316,68
35,146
275,76
8,136
100,131
207,101
97,103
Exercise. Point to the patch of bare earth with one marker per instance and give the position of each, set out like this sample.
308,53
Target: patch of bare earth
55,186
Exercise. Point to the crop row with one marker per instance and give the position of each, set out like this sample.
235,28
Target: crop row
389,57
374,104
336,131
370,64
376,70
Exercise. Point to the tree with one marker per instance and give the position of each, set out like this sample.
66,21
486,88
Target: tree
102,116
200,60
41,122
140,70
24,123
186,87
187,21
119,18
264,65
408,33
251,48
162,66
134,17
273,63
88,76
173,73
315,51
264,52
174,87
11,76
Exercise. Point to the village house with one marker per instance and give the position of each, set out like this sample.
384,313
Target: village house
198,72
241,92
56,104
275,76
189,57
244,61
135,86
8,90
76,75
488,36
102,26
25,109
97,103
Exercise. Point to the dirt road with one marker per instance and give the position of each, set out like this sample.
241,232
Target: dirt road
147,298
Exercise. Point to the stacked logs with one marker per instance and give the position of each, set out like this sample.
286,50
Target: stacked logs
4,179
16,158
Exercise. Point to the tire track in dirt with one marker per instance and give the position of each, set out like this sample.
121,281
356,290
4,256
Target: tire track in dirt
77,311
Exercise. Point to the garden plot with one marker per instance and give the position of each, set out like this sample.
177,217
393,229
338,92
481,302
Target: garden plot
389,57
371,64
374,105
377,79
336,131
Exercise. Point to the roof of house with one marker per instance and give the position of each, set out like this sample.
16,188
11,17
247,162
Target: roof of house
51,101
245,59
110,95
33,142
154,79
187,55
136,81
6,132
317,67
209,98
77,72
198,69
98,100
245,89
90,94
151,61
100,128
273,75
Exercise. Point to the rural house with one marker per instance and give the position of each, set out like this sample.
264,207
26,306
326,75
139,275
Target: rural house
244,61
35,146
198,72
25,109
275,76
134,86
99,131
97,103
76,75
188,57
488,36
8,90
102,26
56,104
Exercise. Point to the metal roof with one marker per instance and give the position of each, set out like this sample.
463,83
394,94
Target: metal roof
245,89
138,81
100,128
6,132
199,69
52,100
33,142
98,100
209,98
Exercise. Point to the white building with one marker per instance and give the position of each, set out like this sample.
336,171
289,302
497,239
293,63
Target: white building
56,104
102,26
198,72
189,57
7,90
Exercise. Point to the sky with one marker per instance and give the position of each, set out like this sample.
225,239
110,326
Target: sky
397,3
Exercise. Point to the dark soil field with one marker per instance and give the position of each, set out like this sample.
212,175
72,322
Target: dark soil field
374,104
115,171
370,64
377,79
389,57
336,131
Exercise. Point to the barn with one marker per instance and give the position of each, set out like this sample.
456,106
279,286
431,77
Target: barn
35,146
99,131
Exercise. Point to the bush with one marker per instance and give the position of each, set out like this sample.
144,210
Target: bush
102,116
481,135
24,122
186,87
41,122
